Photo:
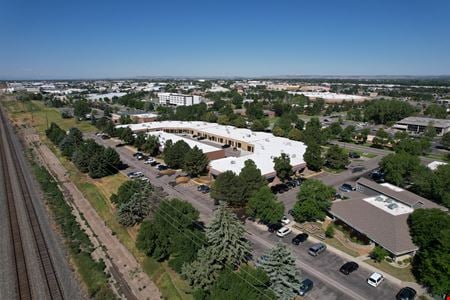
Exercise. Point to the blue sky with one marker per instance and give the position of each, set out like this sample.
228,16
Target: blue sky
92,39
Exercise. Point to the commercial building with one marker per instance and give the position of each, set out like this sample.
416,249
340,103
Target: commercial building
380,213
417,125
210,151
136,117
261,147
178,99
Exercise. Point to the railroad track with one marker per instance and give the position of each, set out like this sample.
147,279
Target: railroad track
23,285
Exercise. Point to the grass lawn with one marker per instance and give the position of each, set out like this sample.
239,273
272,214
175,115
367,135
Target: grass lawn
338,245
404,274
38,114
98,191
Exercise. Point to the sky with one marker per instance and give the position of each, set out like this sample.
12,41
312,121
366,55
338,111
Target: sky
72,39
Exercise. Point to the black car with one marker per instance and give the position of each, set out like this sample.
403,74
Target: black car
293,183
162,167
203,188
305,286
154,163
225,146
377,176
406,293
299,238
349,267
346,187
274,227
279,188
137,154
353,155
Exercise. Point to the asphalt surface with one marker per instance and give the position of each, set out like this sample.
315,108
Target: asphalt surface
323,270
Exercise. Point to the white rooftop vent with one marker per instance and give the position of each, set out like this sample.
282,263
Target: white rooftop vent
267,140
294,156
379,198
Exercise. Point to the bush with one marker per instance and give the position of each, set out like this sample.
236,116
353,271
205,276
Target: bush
329,233
379,254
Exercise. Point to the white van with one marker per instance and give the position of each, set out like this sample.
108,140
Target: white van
375,279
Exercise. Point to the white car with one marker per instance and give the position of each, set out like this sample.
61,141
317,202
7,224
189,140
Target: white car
285,220
149,161
284,231
375,279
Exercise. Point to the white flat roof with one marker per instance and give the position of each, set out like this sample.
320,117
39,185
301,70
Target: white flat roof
164,136
389,205
266,145
328,95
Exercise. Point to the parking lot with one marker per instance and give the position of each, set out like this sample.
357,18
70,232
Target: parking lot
329,283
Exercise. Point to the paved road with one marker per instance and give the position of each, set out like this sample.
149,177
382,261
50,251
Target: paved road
329,283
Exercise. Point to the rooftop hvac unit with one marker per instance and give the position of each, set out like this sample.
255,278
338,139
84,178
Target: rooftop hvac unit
232,162
392,206
267,140
379,198
294,156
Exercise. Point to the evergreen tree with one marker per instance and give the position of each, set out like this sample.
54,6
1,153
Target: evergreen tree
175,153
112,160
265,205
127,135
134,211
336,158
282,272
225,238
228,187
283,167
201,273
251,179
151,145
313,157
195,162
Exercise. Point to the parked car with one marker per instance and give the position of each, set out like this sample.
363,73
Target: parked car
154,163
225,146
316,249
375,279
149,160
406,293
283,231
300,238
349,267
285,220
305,286
293,183
203,188
137,153
279,188
290,212
141,157
162,167
260,260
346,187
353,155
144,179
377,176
136,174
274,227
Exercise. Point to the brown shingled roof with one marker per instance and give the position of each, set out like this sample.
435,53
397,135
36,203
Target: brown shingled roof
404,196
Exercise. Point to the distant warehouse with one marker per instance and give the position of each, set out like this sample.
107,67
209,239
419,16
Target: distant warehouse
417,125
261,147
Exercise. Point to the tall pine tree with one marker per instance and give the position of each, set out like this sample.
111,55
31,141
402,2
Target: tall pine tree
284,276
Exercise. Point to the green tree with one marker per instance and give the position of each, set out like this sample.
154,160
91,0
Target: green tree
283,167
430,131
445,141
139,141
265,206
314,199
251,179
430,231
127,190
378,253
70,143
228,187
313,157
81,108
175,154
134,211
202,272
313,132
151,145
226,238
278,131
295,134
247,283
385,111
127,136
195,162
335,129
112,160
336,158
258,125
399,167
283,274
329,232
347,134
436,111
